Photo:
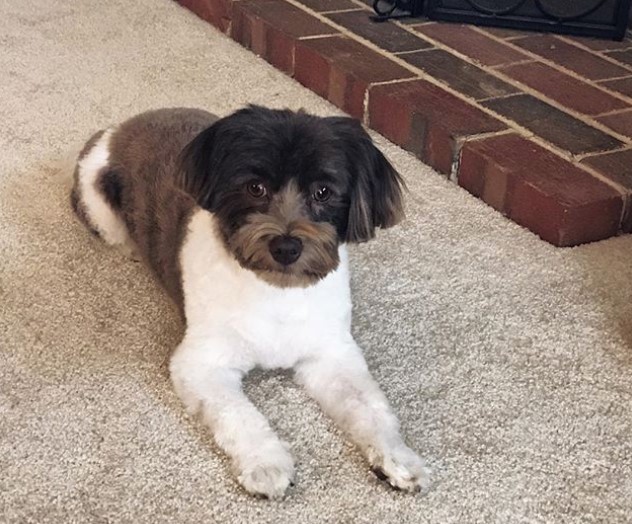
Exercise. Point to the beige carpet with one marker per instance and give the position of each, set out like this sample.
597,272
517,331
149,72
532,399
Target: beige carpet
508,361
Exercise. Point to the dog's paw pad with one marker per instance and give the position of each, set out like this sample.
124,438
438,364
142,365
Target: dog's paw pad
403,470
269,481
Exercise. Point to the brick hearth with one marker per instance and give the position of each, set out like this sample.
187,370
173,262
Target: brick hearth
537,126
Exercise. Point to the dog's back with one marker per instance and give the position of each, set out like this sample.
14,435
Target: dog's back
125,187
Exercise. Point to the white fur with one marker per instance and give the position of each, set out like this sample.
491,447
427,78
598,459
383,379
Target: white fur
99,213
235,321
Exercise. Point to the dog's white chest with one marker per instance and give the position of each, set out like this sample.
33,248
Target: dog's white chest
279,329
272,327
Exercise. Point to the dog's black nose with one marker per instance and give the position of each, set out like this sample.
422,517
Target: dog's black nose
286,249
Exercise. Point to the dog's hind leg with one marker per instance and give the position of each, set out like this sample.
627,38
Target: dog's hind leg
96,194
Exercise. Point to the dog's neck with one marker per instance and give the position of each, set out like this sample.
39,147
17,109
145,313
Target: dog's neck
220,279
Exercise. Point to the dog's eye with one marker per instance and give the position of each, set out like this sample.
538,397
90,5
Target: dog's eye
257,189
322,194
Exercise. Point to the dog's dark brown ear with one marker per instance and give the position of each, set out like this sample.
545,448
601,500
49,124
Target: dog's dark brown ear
376,194
197,166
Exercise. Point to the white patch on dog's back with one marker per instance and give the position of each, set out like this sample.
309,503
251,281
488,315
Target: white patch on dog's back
99,213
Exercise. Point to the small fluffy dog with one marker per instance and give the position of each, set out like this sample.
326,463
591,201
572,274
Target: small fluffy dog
244,221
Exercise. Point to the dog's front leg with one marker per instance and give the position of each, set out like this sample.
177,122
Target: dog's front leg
340,381
208,381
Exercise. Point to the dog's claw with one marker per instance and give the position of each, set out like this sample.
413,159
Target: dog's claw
379,473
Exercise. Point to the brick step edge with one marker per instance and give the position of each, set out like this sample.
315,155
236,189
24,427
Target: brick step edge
553,197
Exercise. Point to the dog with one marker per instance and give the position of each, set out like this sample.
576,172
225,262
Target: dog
244,220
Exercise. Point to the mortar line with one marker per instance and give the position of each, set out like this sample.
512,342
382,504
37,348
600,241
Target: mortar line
400,53
491,134
614,112
591,154
453,175
396,81
502,97
314,37
519,62
334,11
421,24
613,78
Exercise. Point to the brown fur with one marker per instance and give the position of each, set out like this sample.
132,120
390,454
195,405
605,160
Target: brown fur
140,184
164,163
144,152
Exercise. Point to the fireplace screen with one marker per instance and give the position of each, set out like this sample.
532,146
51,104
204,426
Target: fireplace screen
599,18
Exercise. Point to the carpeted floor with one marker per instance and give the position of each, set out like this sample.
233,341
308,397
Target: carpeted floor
508,361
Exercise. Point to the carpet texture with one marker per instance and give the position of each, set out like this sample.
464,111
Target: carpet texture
508,361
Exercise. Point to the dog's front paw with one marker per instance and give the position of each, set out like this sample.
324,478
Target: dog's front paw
402,468
269,476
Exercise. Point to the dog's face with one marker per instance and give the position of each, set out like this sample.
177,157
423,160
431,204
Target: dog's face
288,188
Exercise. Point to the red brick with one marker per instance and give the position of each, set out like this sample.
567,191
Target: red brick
555,126
284,17
216,12
625,57
582,62
329,5
248,32
459,74
622,85
469,42
426,120
602,45
615,166
563,88
271,28
341,70
279,51
386,35
482,177
619,122
506,34
547,194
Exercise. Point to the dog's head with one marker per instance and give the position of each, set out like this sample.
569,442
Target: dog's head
288,188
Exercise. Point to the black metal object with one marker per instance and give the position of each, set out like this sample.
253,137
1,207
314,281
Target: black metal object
598,18
390,9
